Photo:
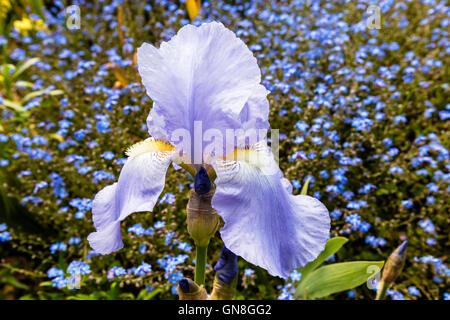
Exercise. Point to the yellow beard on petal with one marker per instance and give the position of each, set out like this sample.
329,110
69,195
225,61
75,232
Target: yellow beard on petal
252,157
148,145
256,155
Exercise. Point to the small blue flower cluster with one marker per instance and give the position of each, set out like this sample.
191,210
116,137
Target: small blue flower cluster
74,272
439,266
4,235
169,263
82,205
116,272
287,292
167,198
138,230
143,269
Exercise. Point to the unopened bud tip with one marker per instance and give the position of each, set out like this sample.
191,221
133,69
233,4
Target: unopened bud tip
202,184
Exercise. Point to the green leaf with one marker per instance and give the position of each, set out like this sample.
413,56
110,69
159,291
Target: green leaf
114,292
332,246
6,78
37,93
23,84
24,67
7,278
145,295
98,295
82,296
32,95
46,284
13,105
381,192
337,277
304,190
56,92
127,296
7,67
153,294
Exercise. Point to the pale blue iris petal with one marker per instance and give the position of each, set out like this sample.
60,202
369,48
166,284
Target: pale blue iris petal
264,223
202,74
255,114
140,183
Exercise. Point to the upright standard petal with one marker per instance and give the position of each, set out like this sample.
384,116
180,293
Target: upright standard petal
264,223
255,114
140,183
203,74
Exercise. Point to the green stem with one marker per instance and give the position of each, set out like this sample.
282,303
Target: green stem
200,264
381,292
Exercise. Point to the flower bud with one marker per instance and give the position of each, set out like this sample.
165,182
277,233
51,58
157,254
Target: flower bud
189,290
394,264
202,219
202,184
224,286
226,266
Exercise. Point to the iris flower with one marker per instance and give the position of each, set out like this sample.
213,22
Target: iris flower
206,75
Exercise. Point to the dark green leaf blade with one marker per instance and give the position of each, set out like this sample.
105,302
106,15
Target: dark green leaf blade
332,246
337,277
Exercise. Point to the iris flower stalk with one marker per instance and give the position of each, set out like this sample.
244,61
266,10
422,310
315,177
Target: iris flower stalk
204,83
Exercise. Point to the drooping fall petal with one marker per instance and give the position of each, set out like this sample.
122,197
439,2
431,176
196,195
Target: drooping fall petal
264,223
140,183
